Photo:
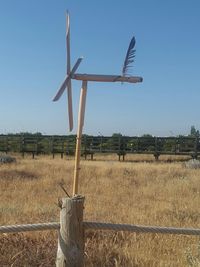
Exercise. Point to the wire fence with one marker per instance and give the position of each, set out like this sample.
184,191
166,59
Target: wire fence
102,226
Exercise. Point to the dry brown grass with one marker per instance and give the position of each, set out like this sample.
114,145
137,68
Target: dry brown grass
164,194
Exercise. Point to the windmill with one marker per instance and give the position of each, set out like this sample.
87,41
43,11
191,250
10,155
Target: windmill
85,78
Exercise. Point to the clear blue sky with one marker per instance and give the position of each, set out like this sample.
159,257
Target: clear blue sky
33,65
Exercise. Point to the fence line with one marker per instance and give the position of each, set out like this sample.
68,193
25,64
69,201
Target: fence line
121,145
102,226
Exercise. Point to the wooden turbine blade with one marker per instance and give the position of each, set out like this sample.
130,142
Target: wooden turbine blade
69,85
62,88
68,43
65,83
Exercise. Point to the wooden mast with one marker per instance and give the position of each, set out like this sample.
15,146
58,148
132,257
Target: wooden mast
81,116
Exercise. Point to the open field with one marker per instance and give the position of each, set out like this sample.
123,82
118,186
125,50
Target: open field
147,193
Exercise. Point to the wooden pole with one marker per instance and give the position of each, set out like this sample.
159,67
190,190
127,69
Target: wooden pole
70,251
81,115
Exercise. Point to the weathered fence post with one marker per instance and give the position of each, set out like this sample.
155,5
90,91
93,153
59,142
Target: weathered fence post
71,236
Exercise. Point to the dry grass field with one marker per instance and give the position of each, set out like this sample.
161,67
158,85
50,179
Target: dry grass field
162,193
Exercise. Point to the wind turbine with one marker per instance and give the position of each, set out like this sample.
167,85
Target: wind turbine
71,74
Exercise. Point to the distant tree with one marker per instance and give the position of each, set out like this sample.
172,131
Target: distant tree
114,142
38,134
115,135
25,133
147,135
194,132
147,142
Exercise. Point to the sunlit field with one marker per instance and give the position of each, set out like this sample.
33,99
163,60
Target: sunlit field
137,191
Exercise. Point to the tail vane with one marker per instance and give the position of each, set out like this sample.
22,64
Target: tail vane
129,59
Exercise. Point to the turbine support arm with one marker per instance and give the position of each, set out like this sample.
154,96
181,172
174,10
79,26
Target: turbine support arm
106,78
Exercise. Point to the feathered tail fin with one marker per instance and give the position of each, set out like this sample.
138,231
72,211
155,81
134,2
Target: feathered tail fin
129,57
